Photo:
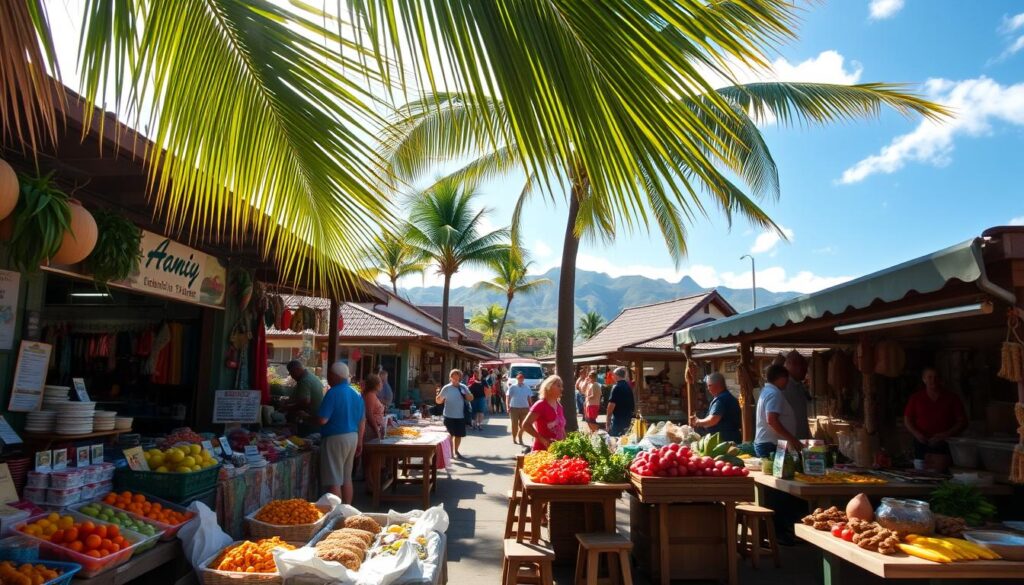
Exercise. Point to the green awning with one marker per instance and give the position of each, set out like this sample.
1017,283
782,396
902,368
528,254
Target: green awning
926,274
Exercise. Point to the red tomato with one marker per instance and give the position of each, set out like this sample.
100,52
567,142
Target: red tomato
837,530
847,535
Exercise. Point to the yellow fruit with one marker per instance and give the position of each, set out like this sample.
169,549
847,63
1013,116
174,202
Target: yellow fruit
154,451
162,469
66,522
197,468
194,449
175,456
207,455
53,517
188,461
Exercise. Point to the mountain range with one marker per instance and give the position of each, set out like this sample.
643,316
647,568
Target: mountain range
595,291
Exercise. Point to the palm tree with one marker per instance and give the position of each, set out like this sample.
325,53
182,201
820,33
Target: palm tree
590,323
448,126
391,256
444,227
489,321
510,279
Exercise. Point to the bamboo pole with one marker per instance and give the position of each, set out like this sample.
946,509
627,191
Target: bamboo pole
689,379
745,373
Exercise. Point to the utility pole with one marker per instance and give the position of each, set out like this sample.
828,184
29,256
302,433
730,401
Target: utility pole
753,278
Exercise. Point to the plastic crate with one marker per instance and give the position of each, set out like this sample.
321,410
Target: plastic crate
165,531
93,566
175,487
208,497
68,571
159,527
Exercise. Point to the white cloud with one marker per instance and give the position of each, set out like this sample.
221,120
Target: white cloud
541,249
1010,28
767,240
977,105
827,67
824,250
776,279
882,9
1016,221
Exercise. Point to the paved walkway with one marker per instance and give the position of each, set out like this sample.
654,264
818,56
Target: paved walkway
473,493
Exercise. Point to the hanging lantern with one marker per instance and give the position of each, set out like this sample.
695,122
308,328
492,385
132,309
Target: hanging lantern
8,190
80,239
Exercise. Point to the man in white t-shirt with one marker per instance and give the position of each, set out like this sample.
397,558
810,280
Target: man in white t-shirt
519,397
775,418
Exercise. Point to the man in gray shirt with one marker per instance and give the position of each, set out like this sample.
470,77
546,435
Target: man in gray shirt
796,393
386,395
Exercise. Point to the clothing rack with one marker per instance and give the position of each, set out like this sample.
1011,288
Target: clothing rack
103,325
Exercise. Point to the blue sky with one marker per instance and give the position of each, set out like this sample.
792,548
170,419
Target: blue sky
933,187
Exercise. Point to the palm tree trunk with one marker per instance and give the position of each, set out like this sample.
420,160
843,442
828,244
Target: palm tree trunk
394,286
501,328
444,306
567,309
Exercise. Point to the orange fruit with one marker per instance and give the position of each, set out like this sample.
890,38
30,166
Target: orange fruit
113,531
76,545
86,528
71,534
93,541
93,553
101,531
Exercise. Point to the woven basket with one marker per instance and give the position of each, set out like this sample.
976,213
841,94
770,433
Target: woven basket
208,576
291,533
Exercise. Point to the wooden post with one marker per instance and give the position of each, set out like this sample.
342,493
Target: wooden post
745,373
639,376
332,334
866,364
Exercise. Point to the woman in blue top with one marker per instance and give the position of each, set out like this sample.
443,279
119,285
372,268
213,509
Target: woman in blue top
454,397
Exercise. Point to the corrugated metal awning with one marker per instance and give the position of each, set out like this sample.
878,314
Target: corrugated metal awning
926,274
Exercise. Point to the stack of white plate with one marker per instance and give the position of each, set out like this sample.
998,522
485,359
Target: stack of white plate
104,420
123,423
54,396
75,418
41,421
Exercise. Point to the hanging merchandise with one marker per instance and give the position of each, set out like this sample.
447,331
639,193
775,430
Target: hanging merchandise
286,320
8,190
1012,355
258,369
242,288
840,370
278,310
889,359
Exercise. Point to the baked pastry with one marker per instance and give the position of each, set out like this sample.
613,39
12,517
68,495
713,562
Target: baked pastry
363,522
366,536
338,554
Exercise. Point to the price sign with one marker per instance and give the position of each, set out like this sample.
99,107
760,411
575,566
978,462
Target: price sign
241,406
44,461
97,454
225,447
7,434
29,376
136,459
80,391
8,493
208,445
82,459
60,459
252,451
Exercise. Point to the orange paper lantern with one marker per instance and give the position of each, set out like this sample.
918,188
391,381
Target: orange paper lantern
80,239
9,190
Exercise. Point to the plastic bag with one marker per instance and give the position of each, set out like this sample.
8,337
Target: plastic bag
202,537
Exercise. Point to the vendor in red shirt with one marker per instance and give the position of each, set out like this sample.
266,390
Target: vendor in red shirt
933,415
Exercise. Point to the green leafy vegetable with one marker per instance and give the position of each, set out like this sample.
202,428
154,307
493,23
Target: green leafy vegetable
964,501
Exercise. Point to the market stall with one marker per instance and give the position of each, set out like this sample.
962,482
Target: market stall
389,463
293,477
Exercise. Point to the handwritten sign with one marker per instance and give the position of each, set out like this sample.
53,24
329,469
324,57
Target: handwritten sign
96,456
80,391
241,406
44,461
82,458
208,445
8,493
30,376
225,447
252,451
136,459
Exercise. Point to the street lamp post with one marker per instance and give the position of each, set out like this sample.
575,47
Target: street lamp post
753,278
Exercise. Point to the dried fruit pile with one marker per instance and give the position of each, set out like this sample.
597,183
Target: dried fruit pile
822,519
289,512
250,557
949,525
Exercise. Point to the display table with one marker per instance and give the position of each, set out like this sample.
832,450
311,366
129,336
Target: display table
825,495
572,509
685,528
294,477
160,555
429,448
899,565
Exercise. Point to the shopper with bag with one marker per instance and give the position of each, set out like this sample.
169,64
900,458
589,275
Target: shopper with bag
455,397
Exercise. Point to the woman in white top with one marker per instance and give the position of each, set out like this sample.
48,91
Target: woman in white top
454,397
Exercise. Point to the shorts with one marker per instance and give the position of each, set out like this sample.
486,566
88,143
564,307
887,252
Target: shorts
479,405
591,413
456,426
337,455
518,415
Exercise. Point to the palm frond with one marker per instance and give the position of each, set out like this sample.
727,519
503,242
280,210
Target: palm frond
262,131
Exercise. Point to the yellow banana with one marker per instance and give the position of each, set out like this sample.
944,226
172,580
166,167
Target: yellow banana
943,545
981,551
924,553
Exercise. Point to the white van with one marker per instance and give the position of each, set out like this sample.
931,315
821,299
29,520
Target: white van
532,372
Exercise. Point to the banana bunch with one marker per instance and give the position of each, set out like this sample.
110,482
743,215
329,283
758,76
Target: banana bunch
639,428
713,446
945,550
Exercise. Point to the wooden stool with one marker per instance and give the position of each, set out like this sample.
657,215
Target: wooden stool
517,519
755,518
592,546
526,563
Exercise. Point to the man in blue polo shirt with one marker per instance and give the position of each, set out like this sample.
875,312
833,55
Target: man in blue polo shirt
723,414
343,422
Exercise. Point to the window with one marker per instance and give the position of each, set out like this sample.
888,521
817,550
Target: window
707,309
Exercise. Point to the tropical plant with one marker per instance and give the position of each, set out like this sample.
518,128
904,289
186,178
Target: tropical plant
40,219
590,323
663,187
392,257
118,248
489,321
510,278
444,227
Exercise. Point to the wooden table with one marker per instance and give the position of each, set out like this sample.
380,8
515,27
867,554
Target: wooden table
838,494
380,452
160,555
714,500
899,565
570,509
